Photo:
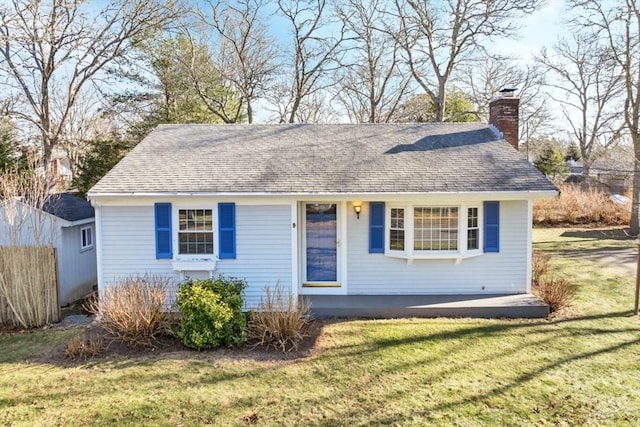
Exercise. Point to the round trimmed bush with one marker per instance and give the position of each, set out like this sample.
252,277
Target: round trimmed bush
211,313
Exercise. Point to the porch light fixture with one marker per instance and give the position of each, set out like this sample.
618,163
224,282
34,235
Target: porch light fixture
357,208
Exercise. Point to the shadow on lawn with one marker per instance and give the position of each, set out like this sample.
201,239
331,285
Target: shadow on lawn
599,234
540,335
455,354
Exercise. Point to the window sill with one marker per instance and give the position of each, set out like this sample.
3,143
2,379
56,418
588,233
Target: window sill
194,264
457,257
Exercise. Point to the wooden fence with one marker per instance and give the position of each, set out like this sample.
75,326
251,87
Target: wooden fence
28,286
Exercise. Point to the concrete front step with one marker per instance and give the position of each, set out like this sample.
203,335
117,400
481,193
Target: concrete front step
390,306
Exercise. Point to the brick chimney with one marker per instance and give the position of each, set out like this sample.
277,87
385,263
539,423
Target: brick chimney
503,114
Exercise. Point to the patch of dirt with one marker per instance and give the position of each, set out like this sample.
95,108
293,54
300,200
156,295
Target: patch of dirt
170,347
10,329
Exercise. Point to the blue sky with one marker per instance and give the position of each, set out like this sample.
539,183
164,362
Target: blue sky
539,29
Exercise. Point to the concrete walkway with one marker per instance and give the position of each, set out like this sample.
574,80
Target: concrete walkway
389,306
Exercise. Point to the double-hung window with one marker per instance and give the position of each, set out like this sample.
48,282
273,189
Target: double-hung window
396,229
473,229
195,232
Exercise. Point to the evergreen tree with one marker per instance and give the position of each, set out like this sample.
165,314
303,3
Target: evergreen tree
573,152
10,154
102,156
551,161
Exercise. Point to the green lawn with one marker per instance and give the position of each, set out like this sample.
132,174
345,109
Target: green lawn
578,370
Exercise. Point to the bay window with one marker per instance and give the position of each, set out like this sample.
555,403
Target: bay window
415,231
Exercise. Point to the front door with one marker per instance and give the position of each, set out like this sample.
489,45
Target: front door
321,244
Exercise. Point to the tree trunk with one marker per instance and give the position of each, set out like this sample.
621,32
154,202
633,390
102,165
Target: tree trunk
249,112
441,101
47,149
586,176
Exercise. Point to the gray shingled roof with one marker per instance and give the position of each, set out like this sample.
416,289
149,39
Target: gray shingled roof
68,207
305,158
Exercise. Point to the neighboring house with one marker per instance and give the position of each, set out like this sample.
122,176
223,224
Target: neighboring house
67,223
608,174
360,209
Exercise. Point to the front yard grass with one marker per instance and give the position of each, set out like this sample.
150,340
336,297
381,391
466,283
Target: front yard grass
580,369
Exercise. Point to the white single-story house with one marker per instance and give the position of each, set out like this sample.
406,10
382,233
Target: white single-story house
65,222
349,210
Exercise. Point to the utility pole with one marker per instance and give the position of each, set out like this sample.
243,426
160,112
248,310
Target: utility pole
635,307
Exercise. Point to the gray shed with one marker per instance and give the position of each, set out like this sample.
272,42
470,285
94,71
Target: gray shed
67,222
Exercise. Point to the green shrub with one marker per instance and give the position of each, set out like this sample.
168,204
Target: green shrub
211,312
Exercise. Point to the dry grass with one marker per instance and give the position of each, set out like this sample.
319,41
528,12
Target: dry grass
132,311
576,206
539,266
281,321
84,347
556,291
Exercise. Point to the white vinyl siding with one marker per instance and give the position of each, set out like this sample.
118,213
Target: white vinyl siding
263,244
263,249
128,243
503,272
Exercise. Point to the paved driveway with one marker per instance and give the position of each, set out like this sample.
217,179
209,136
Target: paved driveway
621,260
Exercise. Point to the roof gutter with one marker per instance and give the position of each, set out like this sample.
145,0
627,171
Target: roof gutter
157,194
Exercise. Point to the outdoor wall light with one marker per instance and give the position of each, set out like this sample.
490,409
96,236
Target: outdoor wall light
357,208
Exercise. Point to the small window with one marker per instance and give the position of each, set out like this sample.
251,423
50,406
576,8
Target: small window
396,230
195,232
435,229
86,238
473,231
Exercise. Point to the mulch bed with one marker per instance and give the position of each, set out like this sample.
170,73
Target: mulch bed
171,347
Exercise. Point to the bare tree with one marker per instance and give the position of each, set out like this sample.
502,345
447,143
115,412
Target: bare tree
589,84
246,52
482,80
372,84
86,122
316,53
618,23
438,36
420,109
54,49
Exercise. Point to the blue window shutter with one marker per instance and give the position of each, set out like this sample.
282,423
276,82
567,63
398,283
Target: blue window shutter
376,227
163,231
492,226
227,230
